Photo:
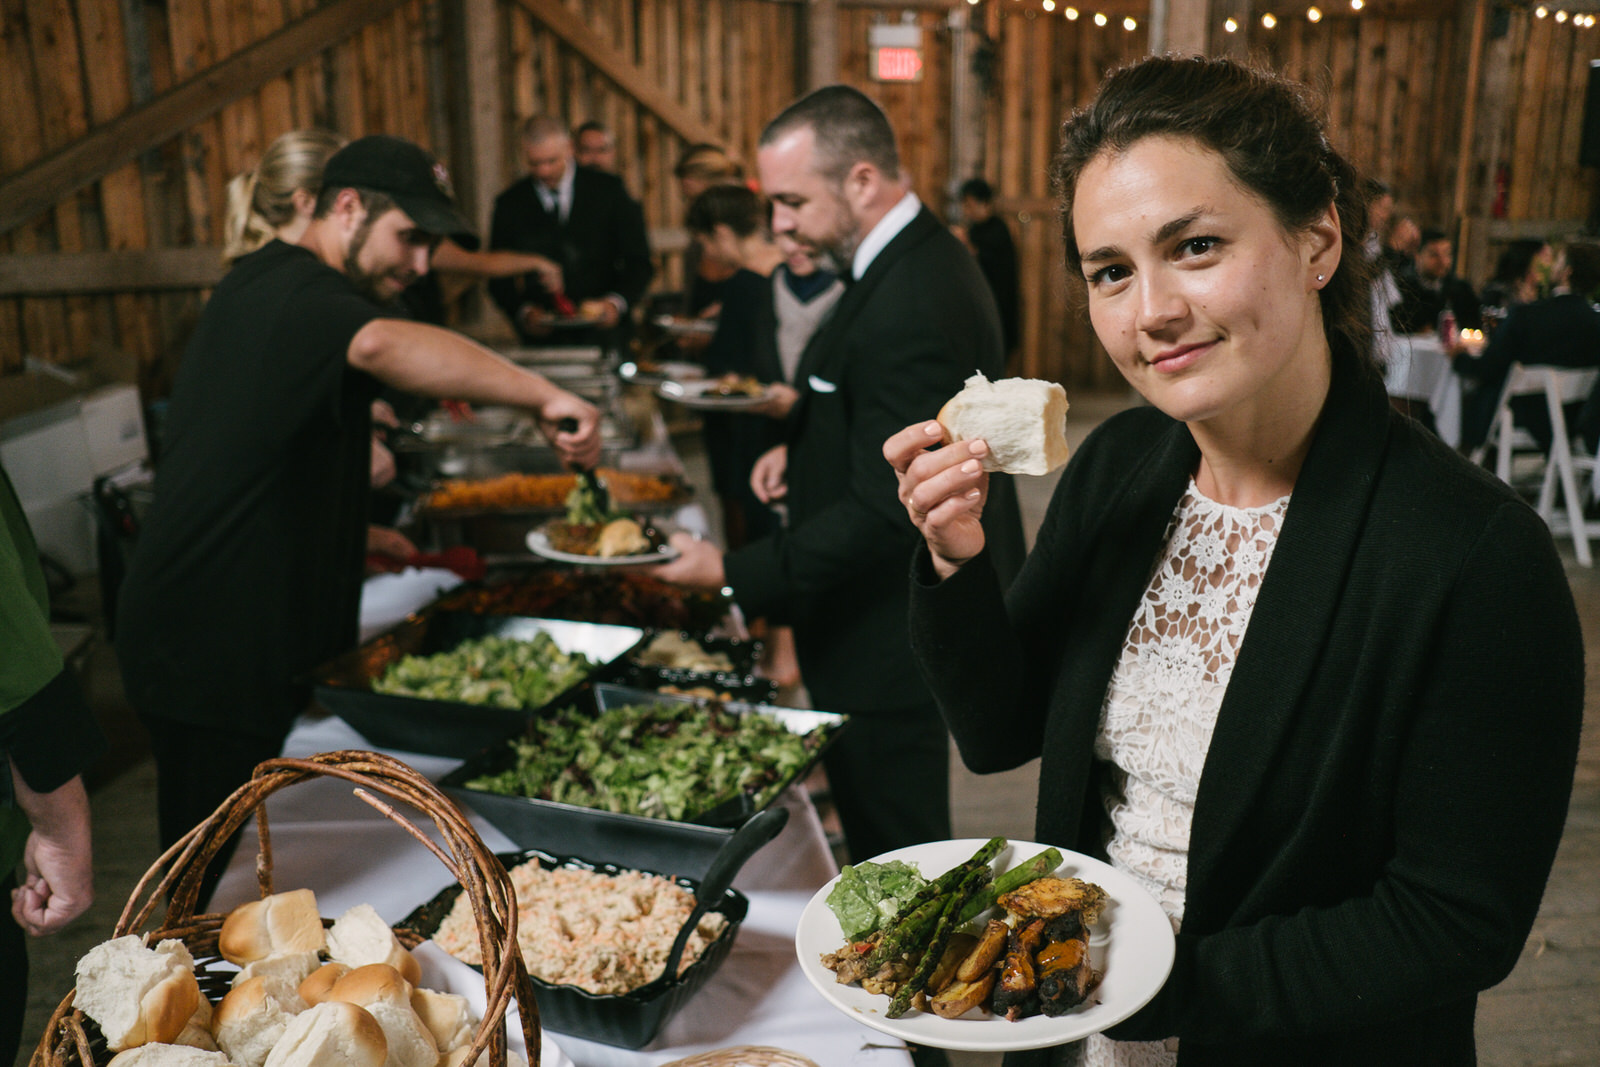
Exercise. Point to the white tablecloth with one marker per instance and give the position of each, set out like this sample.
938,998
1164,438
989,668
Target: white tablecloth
1418,369
327,840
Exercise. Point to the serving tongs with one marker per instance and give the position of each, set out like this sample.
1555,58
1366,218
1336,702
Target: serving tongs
745,842
587,476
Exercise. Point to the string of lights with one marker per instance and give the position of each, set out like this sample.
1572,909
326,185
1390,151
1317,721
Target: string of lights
1268,20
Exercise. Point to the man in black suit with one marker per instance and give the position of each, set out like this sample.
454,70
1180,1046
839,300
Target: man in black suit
583,219
1430,286
916,321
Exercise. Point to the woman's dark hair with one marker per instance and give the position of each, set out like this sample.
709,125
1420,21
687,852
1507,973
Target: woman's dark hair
1270,133
734,206
1514,261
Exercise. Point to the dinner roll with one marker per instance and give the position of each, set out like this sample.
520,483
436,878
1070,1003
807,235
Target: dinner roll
249,1022
381,990
314,990
137,995
283,974
197,1031
331,1034
447,1016
458,1058
360,937
169,1056
1023,421
283,922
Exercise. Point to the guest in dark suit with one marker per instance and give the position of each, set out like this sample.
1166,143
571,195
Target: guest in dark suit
1558,331
987,235
916,321
1430,286
583,219
1293,664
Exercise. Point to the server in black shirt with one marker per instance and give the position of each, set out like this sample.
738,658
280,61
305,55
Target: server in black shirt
247,571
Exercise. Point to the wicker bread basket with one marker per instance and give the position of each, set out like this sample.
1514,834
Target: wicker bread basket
70,1040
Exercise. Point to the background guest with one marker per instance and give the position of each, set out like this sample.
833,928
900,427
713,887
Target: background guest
1431,286
584,220
989,238
594,146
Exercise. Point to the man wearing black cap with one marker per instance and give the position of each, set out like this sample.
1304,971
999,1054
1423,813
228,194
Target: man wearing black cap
247,571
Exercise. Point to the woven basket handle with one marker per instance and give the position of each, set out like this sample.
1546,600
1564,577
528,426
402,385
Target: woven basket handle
174,879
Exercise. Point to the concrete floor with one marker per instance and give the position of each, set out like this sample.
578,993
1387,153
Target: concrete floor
1546,1013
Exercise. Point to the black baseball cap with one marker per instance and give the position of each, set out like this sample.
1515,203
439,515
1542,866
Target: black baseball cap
402,170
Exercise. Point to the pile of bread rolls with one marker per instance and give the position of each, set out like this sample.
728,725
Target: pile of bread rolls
304,996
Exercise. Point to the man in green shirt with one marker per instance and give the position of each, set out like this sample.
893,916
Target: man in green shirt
47,737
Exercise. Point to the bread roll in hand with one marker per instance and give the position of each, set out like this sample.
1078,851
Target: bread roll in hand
137,995
1022,420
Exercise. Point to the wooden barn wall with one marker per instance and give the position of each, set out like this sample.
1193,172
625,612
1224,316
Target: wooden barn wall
1395,90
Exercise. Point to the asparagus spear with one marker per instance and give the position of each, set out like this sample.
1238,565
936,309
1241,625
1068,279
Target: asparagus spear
917,919
1015,878
970,885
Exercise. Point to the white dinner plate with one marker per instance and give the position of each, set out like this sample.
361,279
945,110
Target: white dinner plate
539,544
668,370
681,327
699,396
1132,946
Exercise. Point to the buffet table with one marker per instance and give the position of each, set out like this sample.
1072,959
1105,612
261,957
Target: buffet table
327,840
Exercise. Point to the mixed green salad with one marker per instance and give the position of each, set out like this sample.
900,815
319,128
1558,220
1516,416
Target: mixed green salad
668,760
500,672
869,895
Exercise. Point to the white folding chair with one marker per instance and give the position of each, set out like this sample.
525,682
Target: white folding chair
1559,386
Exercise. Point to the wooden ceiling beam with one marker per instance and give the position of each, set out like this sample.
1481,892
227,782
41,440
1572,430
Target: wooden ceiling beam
576,34
39,186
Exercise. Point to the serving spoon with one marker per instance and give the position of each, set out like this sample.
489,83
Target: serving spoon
745,842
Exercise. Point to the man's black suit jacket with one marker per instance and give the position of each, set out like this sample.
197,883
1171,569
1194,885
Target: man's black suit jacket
901,341
1560,331
602,247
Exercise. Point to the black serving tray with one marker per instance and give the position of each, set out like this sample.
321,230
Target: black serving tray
742,683
343,686
680,848
627,1020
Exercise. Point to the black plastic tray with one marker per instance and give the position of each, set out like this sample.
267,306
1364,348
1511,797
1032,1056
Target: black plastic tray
627,1020
741,683
666,845
343,686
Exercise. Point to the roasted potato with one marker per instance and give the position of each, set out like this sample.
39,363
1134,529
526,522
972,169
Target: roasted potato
985,953
961,997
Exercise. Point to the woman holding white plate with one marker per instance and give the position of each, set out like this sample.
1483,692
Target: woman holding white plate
1310,677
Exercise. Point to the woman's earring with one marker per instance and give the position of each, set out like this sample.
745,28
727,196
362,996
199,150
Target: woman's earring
1319,279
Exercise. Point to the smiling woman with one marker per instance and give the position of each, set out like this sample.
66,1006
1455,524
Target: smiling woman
1264,644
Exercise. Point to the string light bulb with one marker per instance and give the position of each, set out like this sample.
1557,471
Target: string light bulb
1072,14
1099,18
1313,14
1540,12
1561,16
1357,5
1231,25
1269,20
1130,23
1049,5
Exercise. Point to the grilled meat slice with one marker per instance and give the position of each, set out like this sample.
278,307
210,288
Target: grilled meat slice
1050,898
1065,977
1016,994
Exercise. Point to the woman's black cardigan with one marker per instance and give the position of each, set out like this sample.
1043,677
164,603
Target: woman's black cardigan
1390,769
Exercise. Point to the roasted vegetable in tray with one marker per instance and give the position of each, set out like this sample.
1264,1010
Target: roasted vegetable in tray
500,672
913,941
668,760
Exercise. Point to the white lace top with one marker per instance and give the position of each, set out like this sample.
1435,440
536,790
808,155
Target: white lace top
1162,704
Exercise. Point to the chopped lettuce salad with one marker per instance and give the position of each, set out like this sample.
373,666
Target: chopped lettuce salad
869,895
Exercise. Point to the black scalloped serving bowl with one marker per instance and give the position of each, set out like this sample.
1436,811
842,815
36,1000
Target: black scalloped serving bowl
626,1020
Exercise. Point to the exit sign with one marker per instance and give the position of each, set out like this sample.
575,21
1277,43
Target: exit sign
897,64
894,52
